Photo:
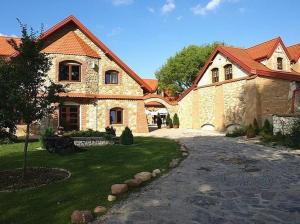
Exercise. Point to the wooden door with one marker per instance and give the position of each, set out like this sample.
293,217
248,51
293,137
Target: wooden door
69,117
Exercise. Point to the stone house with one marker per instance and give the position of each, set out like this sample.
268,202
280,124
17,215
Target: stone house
237,85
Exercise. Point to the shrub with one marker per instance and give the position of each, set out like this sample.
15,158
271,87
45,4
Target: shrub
295,135
126,137
6,137
256,126
48,132
176,120
169,121
110,131
236,132
159,121
267,128
250,133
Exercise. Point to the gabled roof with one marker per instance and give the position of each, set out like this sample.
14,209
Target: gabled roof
265,50
294,51
153,83
73,20
72,44
5,48
245,61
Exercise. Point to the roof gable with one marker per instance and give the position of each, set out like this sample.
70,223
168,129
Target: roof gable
266,49
72,44
72,20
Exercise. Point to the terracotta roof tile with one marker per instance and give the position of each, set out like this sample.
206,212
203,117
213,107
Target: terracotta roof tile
294,52
263,50
72,44
153,83
5,48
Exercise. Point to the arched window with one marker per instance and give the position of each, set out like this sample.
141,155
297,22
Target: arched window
111,77
228,71
116,115
279,63
215,75
69,71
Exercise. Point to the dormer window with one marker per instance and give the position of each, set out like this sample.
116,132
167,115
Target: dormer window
111,77
279,63
228,72
69,71
215,75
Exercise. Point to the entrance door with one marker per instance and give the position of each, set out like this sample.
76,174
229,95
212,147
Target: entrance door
69,117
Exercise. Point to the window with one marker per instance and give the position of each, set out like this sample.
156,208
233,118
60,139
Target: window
69,117
228,72
69,71
215,75
111,77
279,63
116,116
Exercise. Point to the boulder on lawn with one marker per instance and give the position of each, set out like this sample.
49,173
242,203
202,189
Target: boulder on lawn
133,182
156,172
119,189
174,163
81,217
111,198
144,176
99,210
185,154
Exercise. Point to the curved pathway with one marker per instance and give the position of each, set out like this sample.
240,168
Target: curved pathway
221,181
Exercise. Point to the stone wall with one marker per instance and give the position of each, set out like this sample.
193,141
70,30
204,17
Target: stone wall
284,124
185,111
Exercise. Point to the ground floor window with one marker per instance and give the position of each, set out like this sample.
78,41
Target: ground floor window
116,116
69,117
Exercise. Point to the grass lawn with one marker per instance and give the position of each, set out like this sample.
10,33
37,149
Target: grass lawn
93,172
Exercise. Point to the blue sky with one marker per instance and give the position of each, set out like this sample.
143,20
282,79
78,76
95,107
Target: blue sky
144,33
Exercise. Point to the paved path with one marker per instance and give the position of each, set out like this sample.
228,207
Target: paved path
222,181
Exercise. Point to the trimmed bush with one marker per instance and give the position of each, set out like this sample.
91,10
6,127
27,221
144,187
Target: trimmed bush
159,121
250,133
267,128
126,137
176,120
256,126
6,137
110,131
169,121
48,132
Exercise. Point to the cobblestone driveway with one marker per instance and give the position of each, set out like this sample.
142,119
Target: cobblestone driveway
222,181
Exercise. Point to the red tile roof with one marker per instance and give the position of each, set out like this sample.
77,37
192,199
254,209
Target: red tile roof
153,104
294,51
153,83
5,48
72,44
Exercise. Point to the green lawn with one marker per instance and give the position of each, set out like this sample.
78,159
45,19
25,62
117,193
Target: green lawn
93,172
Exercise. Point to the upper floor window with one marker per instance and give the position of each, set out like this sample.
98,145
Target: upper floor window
279,63
69,71
215,75
116,116
228,72
111,77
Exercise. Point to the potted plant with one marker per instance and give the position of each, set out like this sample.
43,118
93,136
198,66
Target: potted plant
176,121
168,121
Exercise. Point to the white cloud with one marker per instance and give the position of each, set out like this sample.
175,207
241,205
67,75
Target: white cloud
203,10
122,2
5,35
151,10
115,32
168,7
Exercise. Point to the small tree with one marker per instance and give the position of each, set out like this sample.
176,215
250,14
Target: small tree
176,121
158,121
250,133
168,121
267,128
35,94
126,137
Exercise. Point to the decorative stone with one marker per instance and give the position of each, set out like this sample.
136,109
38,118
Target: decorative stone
119,189
183,148
111,198
185,154
100,210
133,182
174,163
156,172
144,176
81,217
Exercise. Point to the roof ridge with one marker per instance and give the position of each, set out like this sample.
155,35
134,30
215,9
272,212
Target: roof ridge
276,38
293,45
